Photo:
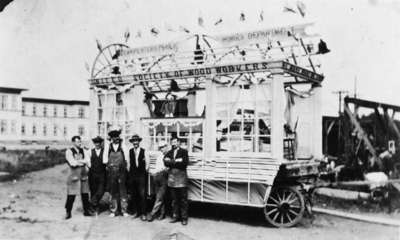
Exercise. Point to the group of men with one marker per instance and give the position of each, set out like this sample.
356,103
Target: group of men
115,170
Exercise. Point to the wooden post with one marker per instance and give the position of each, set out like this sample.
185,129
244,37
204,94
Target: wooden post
277,120
317,123
210,129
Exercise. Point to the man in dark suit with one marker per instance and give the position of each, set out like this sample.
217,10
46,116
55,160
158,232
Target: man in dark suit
177,160
97,172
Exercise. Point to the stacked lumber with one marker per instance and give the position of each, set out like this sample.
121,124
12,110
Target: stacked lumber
232,169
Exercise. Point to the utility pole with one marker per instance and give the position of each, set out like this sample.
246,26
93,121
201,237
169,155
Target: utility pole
340,93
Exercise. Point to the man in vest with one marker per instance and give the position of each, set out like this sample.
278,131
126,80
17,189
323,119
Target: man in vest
139,165
116,158
160,176
97,172
77,181
177,160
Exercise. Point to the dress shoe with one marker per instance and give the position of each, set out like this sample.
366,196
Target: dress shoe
184,222
143,218
161,217
174,220
67,215
125,215
135,215
112,215
150,218
88,214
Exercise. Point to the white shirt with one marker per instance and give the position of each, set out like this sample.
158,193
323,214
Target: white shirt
69,156
146,157
97,151
159,166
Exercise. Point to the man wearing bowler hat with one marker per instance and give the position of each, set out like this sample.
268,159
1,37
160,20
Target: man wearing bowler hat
97,172
116,158
139,165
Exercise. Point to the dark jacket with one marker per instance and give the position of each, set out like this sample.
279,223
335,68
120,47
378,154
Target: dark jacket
177,174
140,170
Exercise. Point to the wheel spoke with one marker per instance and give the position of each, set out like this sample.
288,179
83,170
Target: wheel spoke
290,197
271,205
293,212
288,217
273,199
276,216
281,220
295,206
272,211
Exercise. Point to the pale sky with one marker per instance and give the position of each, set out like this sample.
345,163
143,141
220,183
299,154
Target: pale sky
44,44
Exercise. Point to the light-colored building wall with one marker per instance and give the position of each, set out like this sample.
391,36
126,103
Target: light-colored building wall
10,114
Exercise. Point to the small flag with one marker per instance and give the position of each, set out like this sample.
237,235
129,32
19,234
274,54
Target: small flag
302,8
289,9
218,22
138,34
242,17
87,66
127,34
99,45
183,29
261,16
154,31
200,21
322,47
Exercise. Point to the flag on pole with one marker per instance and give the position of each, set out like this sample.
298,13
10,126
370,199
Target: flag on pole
99,45
289,9
218,22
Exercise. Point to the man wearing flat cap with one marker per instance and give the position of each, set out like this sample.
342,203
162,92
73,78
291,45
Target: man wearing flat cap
97,172
116,158
139,166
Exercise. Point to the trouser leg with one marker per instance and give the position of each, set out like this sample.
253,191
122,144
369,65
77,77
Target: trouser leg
98,189
184,203
122,192
159,205
142,195
69,203
175,202
85,202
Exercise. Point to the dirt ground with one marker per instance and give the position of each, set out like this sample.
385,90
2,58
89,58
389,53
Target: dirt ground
32,208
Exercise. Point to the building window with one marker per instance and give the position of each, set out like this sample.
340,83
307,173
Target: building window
55,130
34,130
45,110
3,104
13,127
65,131
81,130
3,126
23,109
65,112
55,111
23,129
14,102
81,112
44,130
34,110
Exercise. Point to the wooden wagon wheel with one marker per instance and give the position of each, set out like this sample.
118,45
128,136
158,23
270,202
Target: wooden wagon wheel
285,207
107,59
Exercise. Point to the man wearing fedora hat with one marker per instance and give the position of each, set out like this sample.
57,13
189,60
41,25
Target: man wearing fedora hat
97,172
116,158
139,165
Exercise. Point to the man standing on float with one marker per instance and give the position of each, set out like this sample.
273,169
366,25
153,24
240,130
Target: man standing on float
116,158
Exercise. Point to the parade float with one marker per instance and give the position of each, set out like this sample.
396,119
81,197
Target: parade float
246,105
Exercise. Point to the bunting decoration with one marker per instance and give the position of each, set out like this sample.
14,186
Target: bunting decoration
242,17
154,31
127,34
218,22
200,22
289,9
183,29
99,47
301,7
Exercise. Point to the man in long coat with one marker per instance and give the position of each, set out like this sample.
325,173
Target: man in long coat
97,172
116,158
177,160
77,182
